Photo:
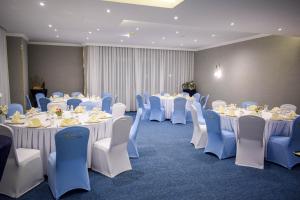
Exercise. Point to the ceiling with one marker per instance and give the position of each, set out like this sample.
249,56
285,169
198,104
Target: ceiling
200,24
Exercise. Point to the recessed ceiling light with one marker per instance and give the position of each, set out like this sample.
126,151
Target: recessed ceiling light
87,38
55,30
177,32
279,29
181,45
57,36
108,10
98,29
90,32
50,25
232,23
154,3
152,42
213,35
122,40
195,40
176,17
42,4
163,38
137,28
126,35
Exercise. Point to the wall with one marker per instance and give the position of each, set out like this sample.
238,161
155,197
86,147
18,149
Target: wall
61,67
18,69
266,70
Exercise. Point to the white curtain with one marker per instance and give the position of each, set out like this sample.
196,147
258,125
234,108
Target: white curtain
126,72
4,80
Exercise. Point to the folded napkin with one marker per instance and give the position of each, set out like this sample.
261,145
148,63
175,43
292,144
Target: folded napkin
69,122
34,123
66,96
94,118
220,109
275,109
80,96
32,111
291,115
16,118
252,107
276,116
79,109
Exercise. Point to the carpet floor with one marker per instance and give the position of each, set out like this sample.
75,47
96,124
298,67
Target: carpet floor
170,168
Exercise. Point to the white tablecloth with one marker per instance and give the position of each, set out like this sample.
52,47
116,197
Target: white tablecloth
44,140
168,103
62,102
272,127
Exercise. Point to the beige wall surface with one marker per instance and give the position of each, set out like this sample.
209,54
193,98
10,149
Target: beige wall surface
61,67
266,70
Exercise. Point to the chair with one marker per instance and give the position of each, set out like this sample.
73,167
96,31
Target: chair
28,103
288,107
106,104
145,108
204,100
157,112
216,104
199,138
67,167
118,110
43,103
106,94
88,105
58,94
246,104
280,148
132,144
23,170
179,111
250,142
75,94
200,112
219,142
37,98
109,155
197,97
146,98
13,108
74,102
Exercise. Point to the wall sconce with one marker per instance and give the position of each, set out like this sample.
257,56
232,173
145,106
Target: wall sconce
218,72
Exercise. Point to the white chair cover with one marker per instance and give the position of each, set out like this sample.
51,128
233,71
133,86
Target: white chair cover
118,110
288,107
23,170
217,103
109,155
199,138
250,142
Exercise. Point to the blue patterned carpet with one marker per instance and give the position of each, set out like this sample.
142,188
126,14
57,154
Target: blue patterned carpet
170,168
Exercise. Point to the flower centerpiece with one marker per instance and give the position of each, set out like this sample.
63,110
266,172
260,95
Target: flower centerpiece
189,87
58,112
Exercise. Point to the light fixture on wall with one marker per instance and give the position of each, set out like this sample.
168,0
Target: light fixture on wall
218,72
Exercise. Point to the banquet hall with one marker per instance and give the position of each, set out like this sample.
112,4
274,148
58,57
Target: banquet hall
150,99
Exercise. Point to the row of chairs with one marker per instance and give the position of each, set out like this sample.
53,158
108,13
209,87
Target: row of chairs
249,144
67,167
153,110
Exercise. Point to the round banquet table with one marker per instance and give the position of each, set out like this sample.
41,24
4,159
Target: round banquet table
44,140
5,144
272,127
168,103
62,102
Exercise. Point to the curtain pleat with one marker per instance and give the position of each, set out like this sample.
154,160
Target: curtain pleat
126,72
4,76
